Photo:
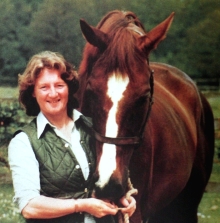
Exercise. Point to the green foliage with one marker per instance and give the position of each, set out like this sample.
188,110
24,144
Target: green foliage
28,27
55,26
12,116
204,51
14,15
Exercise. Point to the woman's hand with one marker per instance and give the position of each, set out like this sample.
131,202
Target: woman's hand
96,207
100,208
129,205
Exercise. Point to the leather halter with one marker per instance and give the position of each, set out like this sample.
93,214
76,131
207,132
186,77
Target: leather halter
135,140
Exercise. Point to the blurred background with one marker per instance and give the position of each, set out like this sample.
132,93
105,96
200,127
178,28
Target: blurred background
30,26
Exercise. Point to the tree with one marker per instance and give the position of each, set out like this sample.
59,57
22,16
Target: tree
30,26
55,26
203,46
151,13
14,16
201,38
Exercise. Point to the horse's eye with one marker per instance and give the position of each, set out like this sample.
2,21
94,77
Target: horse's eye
141,101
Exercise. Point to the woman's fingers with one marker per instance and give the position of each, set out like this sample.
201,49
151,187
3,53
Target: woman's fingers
129,205
100,208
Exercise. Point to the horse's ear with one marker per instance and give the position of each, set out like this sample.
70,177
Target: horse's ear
93,35
150,41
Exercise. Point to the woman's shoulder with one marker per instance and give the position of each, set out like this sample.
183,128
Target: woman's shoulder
19,144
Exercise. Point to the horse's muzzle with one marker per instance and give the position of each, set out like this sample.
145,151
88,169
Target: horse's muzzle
112,191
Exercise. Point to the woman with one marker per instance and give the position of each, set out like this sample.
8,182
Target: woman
52,158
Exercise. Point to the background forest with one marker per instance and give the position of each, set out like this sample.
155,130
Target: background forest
29,26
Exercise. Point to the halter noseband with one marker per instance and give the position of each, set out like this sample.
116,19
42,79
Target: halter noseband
136,140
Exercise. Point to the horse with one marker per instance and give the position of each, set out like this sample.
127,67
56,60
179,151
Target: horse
151,123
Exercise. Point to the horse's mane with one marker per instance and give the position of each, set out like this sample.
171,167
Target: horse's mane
121,51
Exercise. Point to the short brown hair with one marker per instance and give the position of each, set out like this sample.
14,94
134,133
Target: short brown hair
38,62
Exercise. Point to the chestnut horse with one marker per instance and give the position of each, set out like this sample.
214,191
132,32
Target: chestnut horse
156,128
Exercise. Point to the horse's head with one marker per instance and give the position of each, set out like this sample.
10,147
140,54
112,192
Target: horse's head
116,92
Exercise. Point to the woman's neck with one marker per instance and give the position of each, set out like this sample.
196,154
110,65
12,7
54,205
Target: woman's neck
58,121
64,124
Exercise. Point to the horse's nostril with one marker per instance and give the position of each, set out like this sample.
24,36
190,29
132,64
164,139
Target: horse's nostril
112,191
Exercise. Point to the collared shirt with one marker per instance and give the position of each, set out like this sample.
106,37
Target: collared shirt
25,167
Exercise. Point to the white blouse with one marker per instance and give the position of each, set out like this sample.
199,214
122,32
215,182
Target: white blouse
25,167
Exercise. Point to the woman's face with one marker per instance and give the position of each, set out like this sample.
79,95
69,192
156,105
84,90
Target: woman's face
51,93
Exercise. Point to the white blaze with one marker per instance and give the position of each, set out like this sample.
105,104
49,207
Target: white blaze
107,165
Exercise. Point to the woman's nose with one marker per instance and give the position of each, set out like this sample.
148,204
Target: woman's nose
52,92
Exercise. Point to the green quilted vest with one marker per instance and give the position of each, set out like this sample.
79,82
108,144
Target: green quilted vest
60,172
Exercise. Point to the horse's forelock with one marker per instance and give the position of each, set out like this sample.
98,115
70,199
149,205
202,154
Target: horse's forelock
122,52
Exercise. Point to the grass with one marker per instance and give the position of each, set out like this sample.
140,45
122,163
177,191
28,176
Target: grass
214,101
215,176
209,209
8,212
9,92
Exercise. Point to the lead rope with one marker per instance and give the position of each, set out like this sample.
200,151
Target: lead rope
124,218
